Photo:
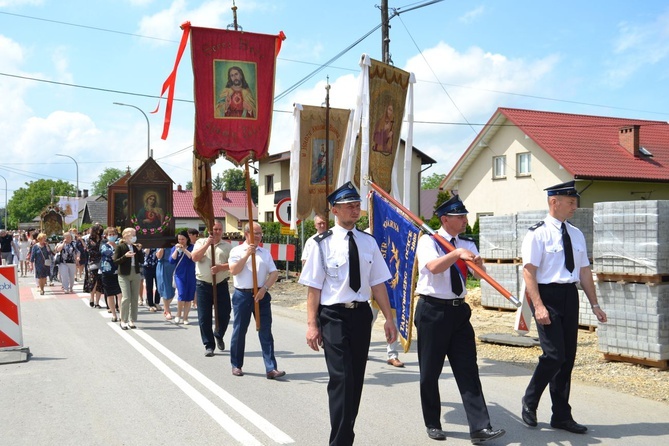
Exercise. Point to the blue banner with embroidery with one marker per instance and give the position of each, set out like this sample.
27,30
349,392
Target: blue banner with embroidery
397,238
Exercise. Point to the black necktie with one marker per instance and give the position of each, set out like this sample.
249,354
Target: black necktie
568,252
456,282
354,261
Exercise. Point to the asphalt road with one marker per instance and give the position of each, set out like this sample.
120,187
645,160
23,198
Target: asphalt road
90,383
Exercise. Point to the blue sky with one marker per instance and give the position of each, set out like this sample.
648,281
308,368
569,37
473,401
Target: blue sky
606,58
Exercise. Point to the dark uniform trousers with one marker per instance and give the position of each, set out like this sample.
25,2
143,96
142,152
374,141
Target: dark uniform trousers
346,335
558,342
445,330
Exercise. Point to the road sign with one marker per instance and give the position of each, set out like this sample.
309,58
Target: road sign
285,230
283,211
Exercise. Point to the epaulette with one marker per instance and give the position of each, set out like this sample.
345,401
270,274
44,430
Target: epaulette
533,227
364,232
320,237
464,237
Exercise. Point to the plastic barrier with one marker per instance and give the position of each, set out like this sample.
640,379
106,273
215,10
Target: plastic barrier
11,336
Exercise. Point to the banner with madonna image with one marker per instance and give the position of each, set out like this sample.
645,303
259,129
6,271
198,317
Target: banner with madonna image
397,238
314,160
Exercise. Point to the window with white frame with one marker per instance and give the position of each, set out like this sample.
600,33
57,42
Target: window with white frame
269,217
499,167
523,164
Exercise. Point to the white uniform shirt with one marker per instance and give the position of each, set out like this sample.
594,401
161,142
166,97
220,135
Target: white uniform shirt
438,285
264,266
334,283
542,247
203,267
308,247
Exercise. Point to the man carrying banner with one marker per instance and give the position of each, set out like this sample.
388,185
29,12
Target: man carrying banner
442,319
338,313
205,272
554,260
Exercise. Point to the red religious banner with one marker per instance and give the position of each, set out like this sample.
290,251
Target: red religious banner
233,75
234,92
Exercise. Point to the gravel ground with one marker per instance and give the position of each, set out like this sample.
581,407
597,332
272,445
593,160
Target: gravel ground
590,368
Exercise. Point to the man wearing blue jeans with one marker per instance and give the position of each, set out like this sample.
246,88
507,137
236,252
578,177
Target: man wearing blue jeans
205,272
244,300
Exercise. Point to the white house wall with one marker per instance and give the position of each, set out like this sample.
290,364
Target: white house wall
484,195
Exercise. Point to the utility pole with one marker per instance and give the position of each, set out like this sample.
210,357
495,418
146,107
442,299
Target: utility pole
385,33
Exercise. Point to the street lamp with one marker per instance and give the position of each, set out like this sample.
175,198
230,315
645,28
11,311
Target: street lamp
5,225
77,193
148,128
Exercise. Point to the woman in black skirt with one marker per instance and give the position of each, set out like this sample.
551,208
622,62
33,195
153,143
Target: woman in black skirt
108,274
93,279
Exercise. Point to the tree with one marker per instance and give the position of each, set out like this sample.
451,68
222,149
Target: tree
234,179
189,185
217,183
442,197
433,181
28,202
107,177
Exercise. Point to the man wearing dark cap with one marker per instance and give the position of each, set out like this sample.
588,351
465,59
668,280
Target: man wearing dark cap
554,260
442,319
342,268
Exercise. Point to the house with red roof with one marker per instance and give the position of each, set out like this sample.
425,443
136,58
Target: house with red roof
229,206
519,153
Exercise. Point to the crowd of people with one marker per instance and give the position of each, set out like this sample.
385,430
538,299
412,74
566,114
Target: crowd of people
116,271
343,269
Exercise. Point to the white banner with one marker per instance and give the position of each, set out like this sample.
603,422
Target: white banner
70,207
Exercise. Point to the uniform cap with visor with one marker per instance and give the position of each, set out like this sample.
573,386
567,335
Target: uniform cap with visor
347,193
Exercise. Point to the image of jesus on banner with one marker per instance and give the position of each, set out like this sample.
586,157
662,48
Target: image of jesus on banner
234,86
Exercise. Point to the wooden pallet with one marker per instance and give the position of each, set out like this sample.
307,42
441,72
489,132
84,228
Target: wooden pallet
501,261
662,364
633,278
590,328
501,309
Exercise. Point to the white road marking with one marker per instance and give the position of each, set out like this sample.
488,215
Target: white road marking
261,423
227,423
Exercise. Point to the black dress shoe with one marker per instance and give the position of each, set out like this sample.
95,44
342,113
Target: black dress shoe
436,434
486,434
569,425
220,344
529,415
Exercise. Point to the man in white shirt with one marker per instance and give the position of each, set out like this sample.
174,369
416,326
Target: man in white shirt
343,269
243,300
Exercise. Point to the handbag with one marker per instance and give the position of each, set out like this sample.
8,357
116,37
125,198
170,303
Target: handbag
174,281
58,259
47,261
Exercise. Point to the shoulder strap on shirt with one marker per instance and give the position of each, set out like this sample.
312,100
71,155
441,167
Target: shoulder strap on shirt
464,237
320,237
537,225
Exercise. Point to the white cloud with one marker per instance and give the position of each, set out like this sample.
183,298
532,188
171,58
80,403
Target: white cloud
472,15
17,3
475,80
637,46
210,14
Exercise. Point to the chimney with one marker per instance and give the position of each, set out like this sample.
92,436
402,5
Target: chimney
179,188
223,195
85,193
628,137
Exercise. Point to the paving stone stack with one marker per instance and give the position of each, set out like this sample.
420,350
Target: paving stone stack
631,259
497,237
638,320
506,274
524,220
628,239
